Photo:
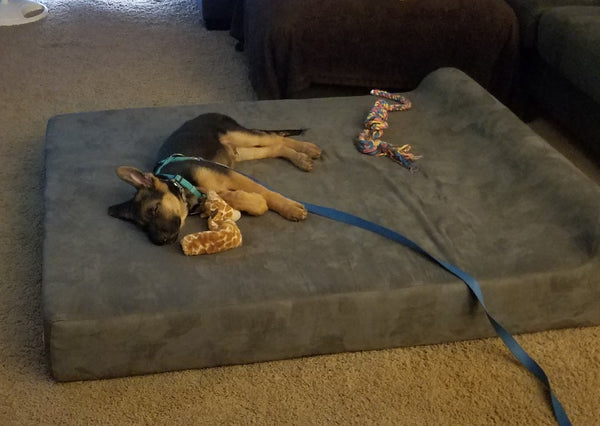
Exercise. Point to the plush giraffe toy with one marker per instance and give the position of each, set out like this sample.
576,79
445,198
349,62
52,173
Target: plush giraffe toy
223,233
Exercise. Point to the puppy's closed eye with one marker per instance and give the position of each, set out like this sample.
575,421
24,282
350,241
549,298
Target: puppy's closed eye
152,211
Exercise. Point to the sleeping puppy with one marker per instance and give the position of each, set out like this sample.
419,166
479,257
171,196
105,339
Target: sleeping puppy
210,145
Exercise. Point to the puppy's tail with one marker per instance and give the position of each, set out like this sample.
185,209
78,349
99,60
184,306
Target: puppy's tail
284,132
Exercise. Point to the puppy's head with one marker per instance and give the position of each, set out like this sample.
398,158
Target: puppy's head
158,210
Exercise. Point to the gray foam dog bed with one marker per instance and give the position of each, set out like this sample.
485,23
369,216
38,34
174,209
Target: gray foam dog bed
490,196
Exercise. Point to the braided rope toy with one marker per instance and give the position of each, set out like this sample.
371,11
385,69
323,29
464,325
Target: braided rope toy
369,140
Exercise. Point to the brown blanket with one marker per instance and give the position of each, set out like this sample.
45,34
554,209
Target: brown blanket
294,44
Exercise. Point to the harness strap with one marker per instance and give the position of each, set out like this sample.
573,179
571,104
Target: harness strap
507,338
178,180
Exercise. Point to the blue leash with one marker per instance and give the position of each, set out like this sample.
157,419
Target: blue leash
350,219
507,338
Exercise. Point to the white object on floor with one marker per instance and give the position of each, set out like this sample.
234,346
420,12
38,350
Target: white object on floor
18,12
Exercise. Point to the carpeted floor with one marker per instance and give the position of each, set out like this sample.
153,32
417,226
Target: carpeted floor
101,54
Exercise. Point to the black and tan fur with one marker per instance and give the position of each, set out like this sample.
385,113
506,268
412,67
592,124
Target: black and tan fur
160,208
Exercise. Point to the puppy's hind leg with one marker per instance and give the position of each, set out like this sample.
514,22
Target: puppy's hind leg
308,148
299,159
254,145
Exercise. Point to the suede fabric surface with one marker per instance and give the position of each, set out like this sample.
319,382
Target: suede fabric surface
529,13
575,110
561,56
291,45
569,42
490,196
217,14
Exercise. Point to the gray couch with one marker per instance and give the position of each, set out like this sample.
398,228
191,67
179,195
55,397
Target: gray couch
560,44
217,14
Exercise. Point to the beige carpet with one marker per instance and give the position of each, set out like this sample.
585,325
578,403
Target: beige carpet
105,54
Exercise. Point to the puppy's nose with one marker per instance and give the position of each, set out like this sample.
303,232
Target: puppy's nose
171,239
161,240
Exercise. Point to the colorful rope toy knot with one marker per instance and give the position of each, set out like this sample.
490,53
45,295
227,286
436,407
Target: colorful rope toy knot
369,140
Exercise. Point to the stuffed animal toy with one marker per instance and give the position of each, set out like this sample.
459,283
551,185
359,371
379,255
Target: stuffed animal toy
223,233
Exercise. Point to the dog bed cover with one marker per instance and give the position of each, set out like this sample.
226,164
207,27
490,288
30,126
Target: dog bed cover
490,196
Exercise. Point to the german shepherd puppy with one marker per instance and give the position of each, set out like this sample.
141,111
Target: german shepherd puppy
160,206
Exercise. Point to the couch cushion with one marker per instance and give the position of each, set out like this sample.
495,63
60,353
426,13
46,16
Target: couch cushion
491,197
217,13
529,13
569,41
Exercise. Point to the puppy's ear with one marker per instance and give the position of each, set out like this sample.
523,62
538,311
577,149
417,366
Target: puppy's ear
135,177
123,211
